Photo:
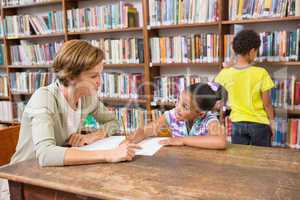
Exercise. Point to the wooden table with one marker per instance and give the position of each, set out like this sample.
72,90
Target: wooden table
240,172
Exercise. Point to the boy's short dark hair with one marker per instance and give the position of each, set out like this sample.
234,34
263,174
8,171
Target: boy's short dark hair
205,95
244,41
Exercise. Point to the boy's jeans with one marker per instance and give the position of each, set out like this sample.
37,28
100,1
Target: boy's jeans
251,133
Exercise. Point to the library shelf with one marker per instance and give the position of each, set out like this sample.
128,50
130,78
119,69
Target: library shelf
262,20
45,66
43,3
122,100
289,111
118,30
22,93
127,65
163,104
9,122
50,35
185,25
185,64
281,63
4,98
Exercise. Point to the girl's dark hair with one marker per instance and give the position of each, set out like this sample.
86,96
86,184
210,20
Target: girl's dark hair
244,41
205,95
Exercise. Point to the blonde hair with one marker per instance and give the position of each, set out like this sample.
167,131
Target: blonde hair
74,57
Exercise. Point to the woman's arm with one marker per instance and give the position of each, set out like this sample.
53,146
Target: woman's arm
78,140
124,152
49,154
216,138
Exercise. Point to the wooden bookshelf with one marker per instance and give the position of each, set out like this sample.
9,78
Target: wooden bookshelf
163,104
4,98
112,100
137,29
123,65
9,122
222,27
52,35
281,63
262,20
21,93
46,66
183,26
184,64
289,111
45,3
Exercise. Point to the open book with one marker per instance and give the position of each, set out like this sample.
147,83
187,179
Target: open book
149,146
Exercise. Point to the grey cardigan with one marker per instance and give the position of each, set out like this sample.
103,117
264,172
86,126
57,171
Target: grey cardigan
44,130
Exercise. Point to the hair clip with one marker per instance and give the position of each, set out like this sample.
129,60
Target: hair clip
213,86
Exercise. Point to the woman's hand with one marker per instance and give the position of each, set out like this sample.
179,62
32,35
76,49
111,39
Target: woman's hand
78,140
124,152
177,141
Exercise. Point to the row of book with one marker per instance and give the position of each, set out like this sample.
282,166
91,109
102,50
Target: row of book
6,111
167,89
33,54
1,29
287,133
286,93
122,85
26,25
3,85
166,12
28,82
11,111
113,16
132,118
21,2
250,9
186,48
124,50
1,54
275,46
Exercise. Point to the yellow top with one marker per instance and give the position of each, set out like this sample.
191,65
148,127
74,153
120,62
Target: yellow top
244,87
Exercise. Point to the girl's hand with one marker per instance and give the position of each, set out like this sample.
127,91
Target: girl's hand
78,140
172,142
122,153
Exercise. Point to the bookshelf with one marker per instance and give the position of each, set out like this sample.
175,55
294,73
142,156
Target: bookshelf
221,24
259,21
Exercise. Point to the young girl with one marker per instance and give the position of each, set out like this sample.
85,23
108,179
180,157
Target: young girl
248,90
191,122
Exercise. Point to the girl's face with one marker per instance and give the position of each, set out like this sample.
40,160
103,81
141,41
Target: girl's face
185,108
89,81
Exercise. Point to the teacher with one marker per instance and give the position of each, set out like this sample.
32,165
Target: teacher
53,117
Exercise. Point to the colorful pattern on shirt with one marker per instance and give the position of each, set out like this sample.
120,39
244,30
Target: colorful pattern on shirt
180,128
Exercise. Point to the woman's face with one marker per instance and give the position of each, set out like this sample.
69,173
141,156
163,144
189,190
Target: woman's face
88,82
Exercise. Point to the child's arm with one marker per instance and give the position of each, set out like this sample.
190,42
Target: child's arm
215,140
151,129
268,108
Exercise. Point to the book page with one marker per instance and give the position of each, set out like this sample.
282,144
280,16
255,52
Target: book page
149,146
